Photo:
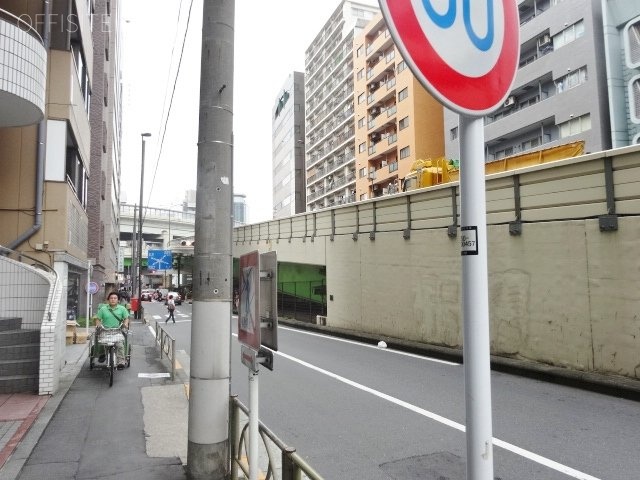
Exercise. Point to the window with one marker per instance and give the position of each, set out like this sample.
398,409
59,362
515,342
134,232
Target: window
404,123
575,126
360,74
361,122
631,38
404,93
405,152
76,174
453,133
360,98
359,51
393,167
82,72
571,79
568,35
362,147
401,66
362,172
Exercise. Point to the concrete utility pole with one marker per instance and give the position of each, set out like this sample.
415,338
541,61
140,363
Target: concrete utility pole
208,446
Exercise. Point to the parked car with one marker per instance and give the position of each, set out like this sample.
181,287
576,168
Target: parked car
146,295
176,298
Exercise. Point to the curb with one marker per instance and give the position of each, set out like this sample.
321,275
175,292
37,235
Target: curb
610,384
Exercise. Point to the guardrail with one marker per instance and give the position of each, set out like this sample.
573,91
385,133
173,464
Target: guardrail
167,346
290,466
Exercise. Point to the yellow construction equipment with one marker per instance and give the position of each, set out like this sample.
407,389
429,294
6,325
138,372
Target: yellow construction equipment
529,159
425,173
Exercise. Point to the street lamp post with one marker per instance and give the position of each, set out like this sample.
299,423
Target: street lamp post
140,209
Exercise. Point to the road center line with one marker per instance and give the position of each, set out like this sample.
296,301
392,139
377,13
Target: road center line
368,345
445,421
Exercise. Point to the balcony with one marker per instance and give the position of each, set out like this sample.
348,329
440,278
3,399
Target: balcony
23,66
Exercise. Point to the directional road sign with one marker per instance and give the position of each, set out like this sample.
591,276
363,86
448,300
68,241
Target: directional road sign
160,260
465,53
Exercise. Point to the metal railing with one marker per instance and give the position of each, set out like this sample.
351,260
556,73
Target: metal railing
27,286
302,300
21,24
288,466
167,346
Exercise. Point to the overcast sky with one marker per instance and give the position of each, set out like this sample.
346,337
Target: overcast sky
270,41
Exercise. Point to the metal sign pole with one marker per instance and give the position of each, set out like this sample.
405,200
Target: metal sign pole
86,323
253,423
475,304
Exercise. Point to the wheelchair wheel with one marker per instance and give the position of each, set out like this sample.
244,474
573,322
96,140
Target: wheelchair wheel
112,364
129,357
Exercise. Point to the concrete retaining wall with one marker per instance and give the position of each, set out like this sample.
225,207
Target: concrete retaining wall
562,293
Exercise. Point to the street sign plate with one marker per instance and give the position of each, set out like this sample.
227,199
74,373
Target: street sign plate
160,260
466,56
92,288
249,308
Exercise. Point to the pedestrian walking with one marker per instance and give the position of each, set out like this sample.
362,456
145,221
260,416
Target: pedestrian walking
171,306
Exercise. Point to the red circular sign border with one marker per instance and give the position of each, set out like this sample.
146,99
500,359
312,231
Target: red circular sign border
467,95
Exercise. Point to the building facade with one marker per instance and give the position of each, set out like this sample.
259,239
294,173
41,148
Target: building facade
621,20
560,91
329,126
103,197
396,120
288,148
46,166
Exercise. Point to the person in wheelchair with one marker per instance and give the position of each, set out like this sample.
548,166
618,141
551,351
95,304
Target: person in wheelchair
113,315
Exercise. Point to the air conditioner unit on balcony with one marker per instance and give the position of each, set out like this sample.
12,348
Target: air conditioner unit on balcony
510,101
544,40
383,163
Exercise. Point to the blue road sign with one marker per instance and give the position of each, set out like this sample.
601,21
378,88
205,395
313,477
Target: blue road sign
160,260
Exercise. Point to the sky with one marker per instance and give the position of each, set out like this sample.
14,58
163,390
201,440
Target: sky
270,42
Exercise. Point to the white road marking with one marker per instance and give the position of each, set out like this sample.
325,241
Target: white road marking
154,375
368,345
571,472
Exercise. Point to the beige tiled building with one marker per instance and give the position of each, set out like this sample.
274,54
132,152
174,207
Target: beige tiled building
396,120
59,107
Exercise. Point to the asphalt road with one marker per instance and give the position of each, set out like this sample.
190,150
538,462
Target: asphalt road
356,411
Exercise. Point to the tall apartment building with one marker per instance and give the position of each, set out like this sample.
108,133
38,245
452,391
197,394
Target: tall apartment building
397,120
329,126
103,197
560,92
288,148
621,21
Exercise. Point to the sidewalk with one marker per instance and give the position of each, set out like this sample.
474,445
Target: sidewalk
135,429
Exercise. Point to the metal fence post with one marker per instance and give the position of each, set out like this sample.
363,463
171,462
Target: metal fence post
173,359
234,429
288,465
